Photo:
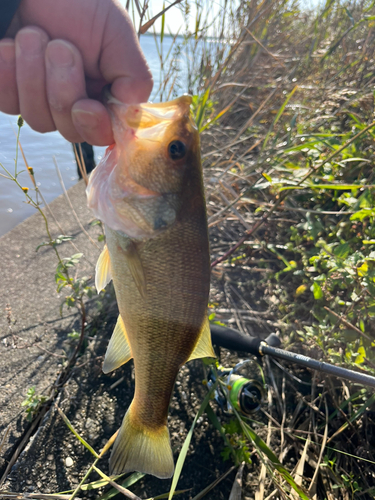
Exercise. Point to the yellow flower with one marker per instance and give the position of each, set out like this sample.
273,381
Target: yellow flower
25,189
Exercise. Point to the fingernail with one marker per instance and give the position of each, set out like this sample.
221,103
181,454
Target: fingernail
85,119
28,43
7,53
60,54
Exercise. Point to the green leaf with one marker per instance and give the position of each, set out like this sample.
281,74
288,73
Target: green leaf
301,147
361,355
362,214
95,222
215,421
211,121
74,335
356,415
366,199
363,270
71,428
266,176
201,109
339,187
53,243
162,25
136,476
317,291
350,16
185,447
44,244
278,116
62,238
70,301
342,251
275,463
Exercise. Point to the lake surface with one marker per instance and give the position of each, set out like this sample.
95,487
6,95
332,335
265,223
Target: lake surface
40,148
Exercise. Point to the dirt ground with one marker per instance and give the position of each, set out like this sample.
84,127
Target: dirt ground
33,340
34,337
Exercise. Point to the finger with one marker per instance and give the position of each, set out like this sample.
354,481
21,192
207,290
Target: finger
122,61
65,85
92,121
31,43
8,82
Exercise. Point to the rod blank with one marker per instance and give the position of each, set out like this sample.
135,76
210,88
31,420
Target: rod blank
234,340
320,366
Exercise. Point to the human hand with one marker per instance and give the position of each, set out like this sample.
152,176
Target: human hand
58,56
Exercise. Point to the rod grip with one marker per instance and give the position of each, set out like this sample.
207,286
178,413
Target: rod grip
236,341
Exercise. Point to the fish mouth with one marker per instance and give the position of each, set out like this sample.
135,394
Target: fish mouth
146,115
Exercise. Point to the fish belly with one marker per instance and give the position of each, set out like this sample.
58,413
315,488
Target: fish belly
162,327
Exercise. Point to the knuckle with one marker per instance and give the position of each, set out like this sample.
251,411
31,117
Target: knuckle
44,128
41,124
9,108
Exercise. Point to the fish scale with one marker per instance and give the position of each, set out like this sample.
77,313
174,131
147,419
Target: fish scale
157,254
167,307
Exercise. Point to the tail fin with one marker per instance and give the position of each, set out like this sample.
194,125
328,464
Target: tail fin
140,449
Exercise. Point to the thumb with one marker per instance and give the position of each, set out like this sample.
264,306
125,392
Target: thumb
122,61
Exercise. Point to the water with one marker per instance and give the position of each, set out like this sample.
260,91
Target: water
39,150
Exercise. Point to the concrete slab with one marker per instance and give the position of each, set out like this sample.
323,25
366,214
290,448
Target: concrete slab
33,338
32,333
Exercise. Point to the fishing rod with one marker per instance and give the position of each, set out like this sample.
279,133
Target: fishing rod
236,341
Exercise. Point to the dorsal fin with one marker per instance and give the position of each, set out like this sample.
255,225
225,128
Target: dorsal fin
118,351
204,348
103,273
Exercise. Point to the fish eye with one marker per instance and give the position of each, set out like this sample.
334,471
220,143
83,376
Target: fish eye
176,150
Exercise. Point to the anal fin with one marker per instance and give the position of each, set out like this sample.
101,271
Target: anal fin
103,273
118,351
204,348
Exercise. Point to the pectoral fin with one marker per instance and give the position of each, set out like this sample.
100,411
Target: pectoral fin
118,351
204,348
136,268
103,273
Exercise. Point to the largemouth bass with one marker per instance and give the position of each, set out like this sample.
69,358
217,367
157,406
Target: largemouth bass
148,191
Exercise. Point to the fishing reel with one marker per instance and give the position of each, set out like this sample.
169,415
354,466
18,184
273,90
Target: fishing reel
242,388
245,395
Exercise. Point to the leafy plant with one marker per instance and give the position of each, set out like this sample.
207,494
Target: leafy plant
238,443
32,403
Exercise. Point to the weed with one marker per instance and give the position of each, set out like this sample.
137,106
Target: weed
238,443
32,403
284,101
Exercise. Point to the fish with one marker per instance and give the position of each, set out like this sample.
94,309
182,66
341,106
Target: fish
148,191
